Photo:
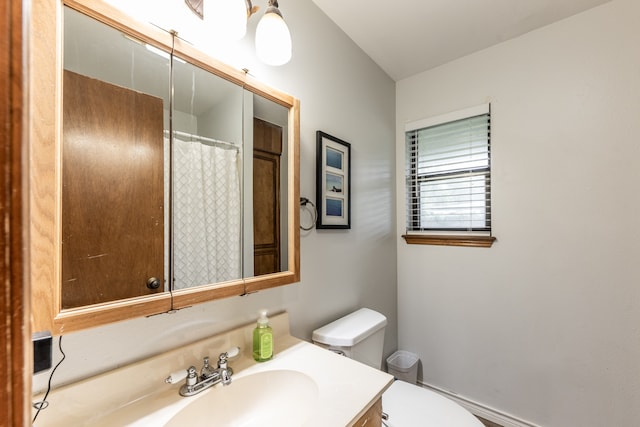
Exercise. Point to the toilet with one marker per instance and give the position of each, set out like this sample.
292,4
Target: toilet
360,336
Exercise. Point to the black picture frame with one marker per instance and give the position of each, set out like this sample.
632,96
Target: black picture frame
333,182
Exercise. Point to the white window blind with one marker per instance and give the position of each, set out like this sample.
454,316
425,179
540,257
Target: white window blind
448,173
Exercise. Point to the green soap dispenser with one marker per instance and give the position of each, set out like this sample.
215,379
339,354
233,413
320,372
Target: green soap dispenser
263,339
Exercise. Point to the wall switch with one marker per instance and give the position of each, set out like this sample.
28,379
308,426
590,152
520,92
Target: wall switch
42,351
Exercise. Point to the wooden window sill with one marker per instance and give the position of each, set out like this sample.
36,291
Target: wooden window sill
444,240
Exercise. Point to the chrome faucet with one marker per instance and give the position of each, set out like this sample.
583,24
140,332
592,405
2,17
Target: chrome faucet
224,370
208,377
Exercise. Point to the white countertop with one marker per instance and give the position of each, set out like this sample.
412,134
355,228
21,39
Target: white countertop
345,388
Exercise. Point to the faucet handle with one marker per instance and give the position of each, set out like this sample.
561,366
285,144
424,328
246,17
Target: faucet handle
222,359
176,376
233,352
225,370
192,376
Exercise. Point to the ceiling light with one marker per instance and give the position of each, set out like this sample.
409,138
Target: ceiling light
273,39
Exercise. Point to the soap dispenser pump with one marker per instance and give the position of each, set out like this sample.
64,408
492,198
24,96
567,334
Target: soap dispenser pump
262,339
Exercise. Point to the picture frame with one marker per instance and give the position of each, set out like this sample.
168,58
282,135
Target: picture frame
333,182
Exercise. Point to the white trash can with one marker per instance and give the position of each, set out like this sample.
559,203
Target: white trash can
404,366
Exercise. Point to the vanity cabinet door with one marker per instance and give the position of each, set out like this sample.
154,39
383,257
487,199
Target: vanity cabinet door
112,194
371,418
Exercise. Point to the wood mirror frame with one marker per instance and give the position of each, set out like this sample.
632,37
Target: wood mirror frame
44,175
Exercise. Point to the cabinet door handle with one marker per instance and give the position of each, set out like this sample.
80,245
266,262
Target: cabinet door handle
153,283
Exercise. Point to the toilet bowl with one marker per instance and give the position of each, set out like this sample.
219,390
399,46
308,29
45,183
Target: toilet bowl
360,336
410,405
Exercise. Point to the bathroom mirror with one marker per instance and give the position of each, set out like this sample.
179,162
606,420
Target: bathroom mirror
266,186
207,177
112,241
115,101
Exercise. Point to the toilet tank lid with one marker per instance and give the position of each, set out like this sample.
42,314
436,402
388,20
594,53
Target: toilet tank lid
350,329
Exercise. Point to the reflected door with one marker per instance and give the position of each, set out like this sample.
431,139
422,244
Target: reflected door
267,149
112,196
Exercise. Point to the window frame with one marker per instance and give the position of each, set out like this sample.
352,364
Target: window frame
416,233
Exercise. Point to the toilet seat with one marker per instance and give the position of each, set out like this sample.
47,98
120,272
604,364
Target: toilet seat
409,405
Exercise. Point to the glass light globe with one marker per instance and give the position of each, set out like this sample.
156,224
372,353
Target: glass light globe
227,18
273,40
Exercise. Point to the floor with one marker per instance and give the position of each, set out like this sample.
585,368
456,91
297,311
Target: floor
488,423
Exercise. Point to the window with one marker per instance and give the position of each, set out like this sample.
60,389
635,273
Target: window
448,179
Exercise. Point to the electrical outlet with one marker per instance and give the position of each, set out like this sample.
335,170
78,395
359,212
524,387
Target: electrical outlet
42,351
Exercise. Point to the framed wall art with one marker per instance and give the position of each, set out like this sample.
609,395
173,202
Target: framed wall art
333,182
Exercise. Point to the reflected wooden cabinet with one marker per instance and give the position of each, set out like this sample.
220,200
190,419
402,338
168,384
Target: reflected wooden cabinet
112,192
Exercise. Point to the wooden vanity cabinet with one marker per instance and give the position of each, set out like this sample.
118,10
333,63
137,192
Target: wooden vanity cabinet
373,416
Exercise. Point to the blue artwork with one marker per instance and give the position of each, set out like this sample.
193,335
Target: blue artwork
334,183
334,158
334,207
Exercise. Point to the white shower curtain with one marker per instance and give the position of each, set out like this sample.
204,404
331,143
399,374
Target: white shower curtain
206,213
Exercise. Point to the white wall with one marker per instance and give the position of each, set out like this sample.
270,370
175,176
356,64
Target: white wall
545,325
344,93
223,122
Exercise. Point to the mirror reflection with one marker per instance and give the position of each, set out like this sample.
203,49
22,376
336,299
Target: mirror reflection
188,182
113,209
206,177
269,146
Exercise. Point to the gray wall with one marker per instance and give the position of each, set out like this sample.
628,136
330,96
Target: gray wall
342,92
544,325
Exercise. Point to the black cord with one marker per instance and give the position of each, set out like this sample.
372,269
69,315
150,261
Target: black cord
303,202
43,403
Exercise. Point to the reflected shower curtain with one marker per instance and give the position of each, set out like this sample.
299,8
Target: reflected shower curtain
206,214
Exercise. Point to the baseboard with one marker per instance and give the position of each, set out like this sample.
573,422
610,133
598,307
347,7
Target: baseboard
480,410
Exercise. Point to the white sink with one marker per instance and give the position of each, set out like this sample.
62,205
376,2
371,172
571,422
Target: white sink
302,386
269,398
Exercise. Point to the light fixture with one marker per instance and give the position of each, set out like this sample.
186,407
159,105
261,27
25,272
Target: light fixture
196,7
273,39
228,19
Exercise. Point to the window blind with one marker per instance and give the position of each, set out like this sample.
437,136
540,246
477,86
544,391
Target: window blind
448,174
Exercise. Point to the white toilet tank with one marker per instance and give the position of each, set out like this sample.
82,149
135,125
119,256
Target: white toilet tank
359,336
